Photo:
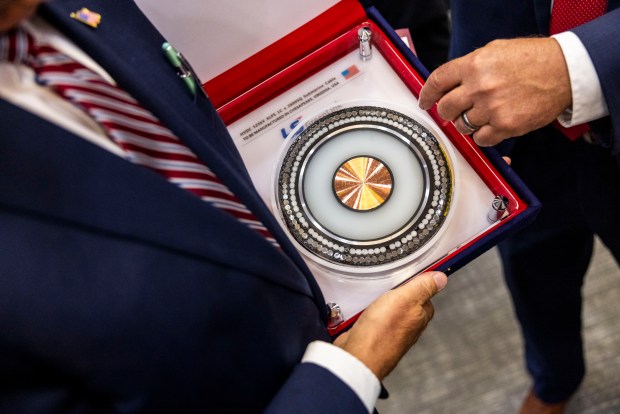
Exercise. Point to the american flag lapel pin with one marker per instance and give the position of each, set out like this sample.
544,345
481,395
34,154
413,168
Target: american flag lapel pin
88,17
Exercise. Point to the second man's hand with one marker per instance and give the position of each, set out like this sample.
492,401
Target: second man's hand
507,88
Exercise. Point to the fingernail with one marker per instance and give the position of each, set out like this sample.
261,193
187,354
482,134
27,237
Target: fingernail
422,107
441,280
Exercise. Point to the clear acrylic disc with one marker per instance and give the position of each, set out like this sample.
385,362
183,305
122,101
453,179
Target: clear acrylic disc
363,189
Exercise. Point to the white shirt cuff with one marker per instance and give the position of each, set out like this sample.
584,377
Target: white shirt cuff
347,368
588,100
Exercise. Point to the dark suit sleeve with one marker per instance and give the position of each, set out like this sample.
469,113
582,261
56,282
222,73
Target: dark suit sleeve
601,38
312,389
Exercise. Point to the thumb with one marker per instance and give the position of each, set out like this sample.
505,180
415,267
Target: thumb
424,286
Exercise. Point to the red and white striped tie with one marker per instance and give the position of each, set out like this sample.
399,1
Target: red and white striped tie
139,133
566,14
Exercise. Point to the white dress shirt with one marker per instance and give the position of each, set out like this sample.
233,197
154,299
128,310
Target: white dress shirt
18,86
588,100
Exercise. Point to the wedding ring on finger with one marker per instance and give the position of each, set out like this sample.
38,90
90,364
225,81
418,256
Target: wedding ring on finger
470,127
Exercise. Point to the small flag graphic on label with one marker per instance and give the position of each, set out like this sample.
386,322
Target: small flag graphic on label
349,72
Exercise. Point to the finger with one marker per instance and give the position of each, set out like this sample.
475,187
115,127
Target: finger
429,310
508,160
423,287
442,80
451,105
488,136
475,118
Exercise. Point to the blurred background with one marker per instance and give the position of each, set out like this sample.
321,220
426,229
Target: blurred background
470,359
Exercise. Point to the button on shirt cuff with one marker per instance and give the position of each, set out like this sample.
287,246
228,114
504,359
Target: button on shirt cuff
347,368
588,100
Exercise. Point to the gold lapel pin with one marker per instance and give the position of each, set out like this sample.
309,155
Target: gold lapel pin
88,17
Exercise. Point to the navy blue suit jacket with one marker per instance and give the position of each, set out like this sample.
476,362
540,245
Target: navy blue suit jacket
477,22
120,292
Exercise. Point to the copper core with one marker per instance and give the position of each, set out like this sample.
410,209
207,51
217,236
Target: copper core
363,183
